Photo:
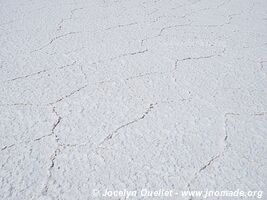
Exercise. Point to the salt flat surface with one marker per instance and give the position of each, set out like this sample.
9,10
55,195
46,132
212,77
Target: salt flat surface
132,94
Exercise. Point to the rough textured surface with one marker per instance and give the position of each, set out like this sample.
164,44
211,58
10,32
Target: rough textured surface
131,94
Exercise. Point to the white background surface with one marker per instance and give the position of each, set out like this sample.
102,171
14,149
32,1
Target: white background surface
131,94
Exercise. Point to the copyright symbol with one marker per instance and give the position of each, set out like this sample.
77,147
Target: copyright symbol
95,193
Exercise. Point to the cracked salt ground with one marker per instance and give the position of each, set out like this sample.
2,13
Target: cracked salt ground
131,95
